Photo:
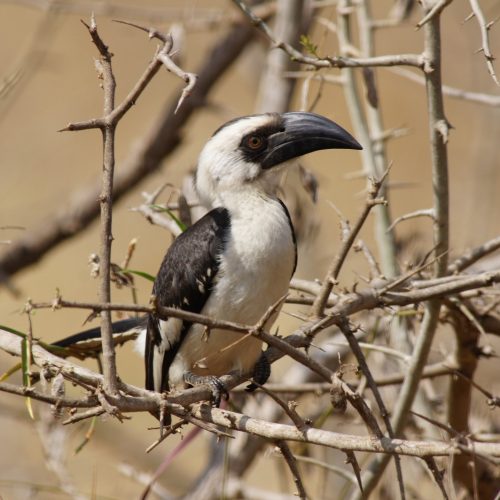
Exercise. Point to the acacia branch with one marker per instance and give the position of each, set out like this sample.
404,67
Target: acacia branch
485,43
373,135
235,421
439,129
289,409
417,60
467,333
164,57
435,10
477,97
425,212
319,388
473,255
292,465
152,215
332,274
346,305
358,353
135,399
106,201
332,468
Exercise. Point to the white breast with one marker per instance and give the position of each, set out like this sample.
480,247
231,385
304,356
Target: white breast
254,273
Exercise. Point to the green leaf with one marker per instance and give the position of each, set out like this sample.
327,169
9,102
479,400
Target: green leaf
11,330
166,210
142,274
10,371
87,436
25,364
48,347
308,45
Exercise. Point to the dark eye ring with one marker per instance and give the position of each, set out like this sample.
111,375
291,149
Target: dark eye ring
255,142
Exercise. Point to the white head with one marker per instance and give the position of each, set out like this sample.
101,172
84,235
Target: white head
247,153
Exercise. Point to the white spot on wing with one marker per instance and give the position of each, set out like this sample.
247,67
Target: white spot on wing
157,369
201,286
140,342
170,331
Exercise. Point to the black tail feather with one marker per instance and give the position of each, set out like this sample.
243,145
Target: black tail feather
95,333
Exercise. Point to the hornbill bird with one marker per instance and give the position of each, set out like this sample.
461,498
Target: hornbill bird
237,260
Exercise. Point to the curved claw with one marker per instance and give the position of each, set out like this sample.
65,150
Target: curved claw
218,389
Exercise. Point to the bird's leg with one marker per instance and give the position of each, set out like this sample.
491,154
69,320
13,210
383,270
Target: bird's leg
216,386
261,372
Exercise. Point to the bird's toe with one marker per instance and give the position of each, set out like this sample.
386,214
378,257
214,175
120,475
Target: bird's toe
216,385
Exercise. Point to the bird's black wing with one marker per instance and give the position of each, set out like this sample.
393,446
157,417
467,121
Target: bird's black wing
121,326
184,281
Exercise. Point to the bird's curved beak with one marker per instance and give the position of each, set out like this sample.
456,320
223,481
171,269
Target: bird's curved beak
304,133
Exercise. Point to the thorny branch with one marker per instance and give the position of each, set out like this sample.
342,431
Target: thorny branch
134,399
485,43
333,272
347,304
292,465
106,201
332,62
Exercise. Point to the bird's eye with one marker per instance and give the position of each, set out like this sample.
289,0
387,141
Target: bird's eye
255,142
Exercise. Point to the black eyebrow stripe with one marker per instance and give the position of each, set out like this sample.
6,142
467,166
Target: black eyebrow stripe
276,122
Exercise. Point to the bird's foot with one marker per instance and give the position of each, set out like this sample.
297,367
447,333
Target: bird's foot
218,389
261,372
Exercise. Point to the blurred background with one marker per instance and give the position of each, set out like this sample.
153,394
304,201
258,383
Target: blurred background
48,80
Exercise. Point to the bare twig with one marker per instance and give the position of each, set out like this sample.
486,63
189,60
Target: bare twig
357,402
416,60
429,212
473,255
78,417
351,459
492,400
318,388
333,468
435,10
485,43
333,272
477,97
437,119
289,408
89,402
292,465
164,57
358,353
105,71
370,127
153,216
